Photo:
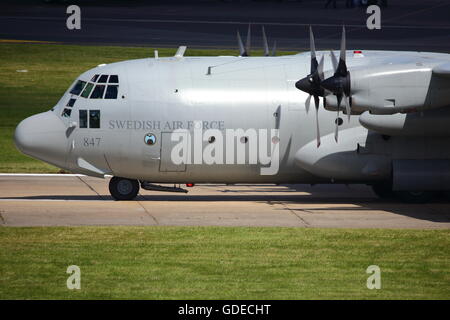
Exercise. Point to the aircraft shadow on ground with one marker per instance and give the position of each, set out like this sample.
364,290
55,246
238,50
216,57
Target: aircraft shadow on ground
334,203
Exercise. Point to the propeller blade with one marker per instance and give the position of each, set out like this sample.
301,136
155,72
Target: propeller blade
317,127
274,49
248,42
320,69
336,132
265,43
316,102
307,103
343,45
312,45
334,61
347,107
242,52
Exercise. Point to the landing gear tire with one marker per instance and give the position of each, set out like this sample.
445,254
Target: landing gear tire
415,196
123,188
383,190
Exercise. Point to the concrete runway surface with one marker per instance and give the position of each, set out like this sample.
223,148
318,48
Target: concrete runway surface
68,200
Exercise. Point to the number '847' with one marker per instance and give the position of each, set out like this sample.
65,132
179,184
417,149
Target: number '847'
91,142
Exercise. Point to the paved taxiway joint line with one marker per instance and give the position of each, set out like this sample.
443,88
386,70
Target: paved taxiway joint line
145,209
303,222
90,187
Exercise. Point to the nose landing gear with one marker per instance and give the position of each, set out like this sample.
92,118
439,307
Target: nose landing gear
123,188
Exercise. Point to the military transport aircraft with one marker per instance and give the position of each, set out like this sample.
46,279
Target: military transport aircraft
380,118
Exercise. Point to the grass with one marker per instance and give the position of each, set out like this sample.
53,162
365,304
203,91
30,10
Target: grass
51,70
223,263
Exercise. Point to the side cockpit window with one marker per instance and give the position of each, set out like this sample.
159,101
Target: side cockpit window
93,121
83,119
71,102
66,113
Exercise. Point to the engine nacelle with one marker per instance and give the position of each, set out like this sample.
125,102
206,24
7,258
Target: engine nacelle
394,88
343,161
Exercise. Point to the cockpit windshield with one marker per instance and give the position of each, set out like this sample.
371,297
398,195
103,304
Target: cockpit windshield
101,86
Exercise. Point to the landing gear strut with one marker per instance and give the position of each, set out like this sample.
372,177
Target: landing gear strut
123,188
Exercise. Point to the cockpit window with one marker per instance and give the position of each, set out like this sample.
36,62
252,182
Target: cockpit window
114,78
103,78
78,87
66,113
98,92
83,118
71,102
94,119
94,78
111,92
87,90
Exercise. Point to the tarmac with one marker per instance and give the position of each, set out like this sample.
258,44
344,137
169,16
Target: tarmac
413,25
73,200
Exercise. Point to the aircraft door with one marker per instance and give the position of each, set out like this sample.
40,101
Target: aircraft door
167,145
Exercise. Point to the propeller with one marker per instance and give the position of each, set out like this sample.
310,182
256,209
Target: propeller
339,83
267,53
312,83
265,43
247,43
274,49
244,51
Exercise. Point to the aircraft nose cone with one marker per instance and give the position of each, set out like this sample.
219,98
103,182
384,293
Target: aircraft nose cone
42,136
304,85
